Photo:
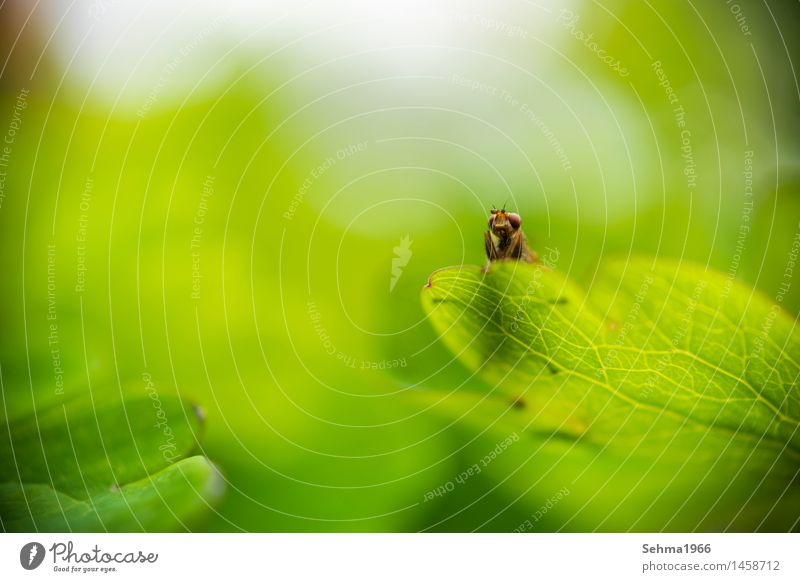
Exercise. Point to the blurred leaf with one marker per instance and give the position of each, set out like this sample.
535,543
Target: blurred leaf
174,498
86,464
667,364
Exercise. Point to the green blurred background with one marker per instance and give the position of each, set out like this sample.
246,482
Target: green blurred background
235,178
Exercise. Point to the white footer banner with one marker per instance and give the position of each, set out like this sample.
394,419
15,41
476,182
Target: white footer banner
355,557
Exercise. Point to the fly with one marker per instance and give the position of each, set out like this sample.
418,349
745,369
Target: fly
505,239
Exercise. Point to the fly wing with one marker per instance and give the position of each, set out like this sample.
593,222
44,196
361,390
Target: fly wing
518,248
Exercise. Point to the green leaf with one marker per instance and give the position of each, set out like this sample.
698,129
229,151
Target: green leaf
688,375
86,465
174,498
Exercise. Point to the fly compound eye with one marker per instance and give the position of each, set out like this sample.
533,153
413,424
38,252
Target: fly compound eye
514,220
491,220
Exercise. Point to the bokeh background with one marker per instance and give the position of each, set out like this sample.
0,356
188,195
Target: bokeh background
222,188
